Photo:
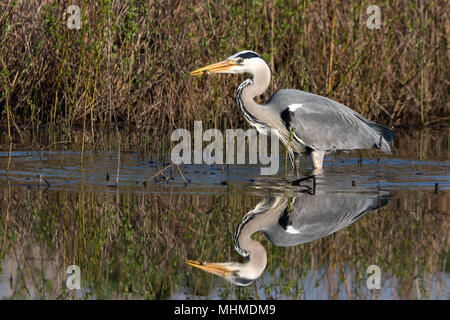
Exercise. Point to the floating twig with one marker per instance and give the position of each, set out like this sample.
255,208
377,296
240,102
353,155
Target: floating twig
157,174
42,178
182,176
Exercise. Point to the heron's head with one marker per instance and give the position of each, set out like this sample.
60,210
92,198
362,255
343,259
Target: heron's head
241,274
241,62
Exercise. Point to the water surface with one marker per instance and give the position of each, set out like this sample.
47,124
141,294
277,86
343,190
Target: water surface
131,226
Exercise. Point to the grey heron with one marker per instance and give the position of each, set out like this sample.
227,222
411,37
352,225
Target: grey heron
289,222
306,123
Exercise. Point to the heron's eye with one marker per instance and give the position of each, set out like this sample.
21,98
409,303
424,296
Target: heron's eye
240,60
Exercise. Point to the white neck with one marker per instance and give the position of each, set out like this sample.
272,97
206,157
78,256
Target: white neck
261,80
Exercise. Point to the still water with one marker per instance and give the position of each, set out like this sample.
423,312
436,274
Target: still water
138,228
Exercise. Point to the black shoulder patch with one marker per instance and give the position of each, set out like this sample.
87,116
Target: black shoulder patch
308,150
283,221
249,55
286,117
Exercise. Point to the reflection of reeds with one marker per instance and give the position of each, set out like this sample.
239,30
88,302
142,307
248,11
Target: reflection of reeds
129,63
135,245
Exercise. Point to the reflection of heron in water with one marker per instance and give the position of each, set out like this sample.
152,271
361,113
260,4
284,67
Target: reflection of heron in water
290,222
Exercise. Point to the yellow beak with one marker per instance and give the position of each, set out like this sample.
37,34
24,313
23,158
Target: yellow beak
214,68
213,268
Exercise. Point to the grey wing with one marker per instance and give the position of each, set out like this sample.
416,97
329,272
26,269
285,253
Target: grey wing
316,216
323,124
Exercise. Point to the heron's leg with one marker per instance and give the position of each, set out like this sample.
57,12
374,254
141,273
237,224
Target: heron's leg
297,159
317,159
297,163
306,188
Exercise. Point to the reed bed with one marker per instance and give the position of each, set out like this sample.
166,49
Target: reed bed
128,66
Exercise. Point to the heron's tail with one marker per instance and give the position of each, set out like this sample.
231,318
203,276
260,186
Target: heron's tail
385,135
